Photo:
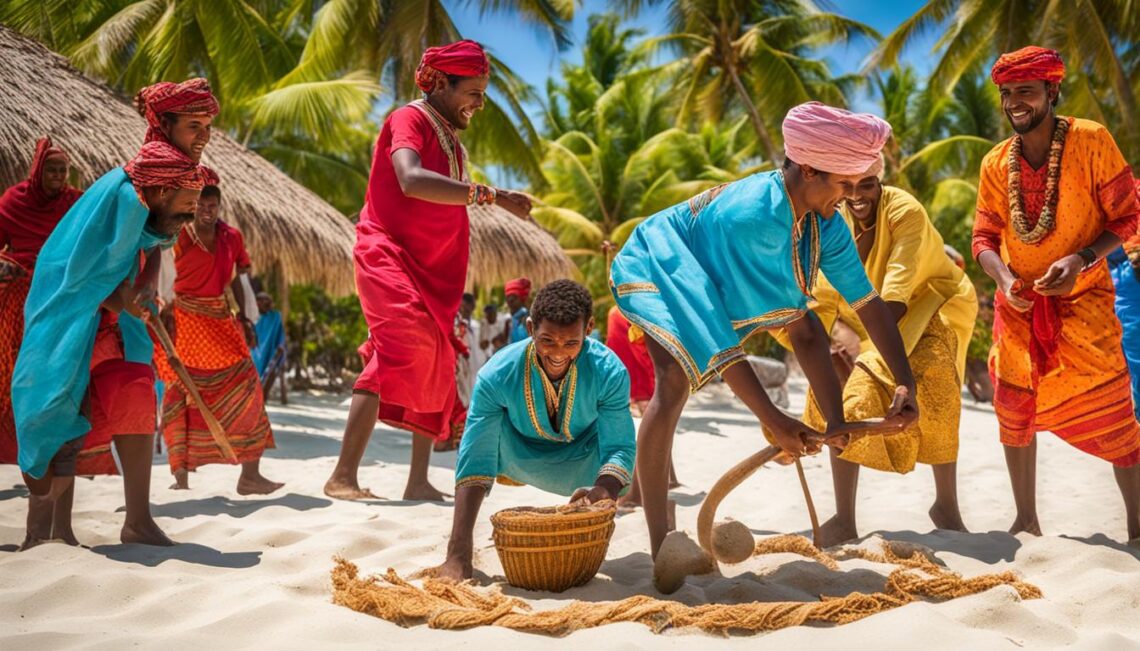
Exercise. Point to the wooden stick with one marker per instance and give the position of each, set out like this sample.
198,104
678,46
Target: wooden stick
212,422
810,504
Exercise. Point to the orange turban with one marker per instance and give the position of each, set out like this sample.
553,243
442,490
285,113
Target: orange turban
519,287
463,58
1029,64
191,97
160,164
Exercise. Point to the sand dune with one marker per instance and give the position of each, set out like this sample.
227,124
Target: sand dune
254,571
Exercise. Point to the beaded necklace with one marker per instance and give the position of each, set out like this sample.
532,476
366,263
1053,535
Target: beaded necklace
1048,219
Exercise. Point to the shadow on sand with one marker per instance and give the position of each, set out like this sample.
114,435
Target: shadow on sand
186,552
218,505
15,492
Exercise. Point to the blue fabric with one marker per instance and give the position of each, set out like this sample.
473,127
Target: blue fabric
509,433
93,249
518,325
1128,311
270,336
703,275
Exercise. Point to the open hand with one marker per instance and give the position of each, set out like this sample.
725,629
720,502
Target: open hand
590,494
516,203
1009,289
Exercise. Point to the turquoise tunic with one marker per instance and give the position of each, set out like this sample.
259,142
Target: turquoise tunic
93,249
509,433
702,276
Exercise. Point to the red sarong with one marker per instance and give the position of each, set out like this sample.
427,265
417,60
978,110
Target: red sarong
13,293
411,264
635,356
211,344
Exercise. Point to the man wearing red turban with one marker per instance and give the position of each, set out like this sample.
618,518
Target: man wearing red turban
516,292
179,114
1053,201
83,379
411,251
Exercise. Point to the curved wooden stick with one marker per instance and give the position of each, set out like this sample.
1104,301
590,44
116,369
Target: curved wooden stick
810,504
215,427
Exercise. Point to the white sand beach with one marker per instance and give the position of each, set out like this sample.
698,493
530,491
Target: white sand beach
254,572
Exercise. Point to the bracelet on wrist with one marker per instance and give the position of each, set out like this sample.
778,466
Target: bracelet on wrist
1088,256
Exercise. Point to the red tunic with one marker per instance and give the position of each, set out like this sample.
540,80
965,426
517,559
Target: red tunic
202,273
411,265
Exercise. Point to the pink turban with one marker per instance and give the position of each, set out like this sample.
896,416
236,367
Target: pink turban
832,139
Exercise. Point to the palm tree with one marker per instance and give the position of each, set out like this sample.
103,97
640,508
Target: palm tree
1097,38
755,56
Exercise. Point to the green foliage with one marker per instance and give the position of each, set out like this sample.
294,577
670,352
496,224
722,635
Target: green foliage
326,333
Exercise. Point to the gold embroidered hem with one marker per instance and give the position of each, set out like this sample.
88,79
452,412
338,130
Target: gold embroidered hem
569,383
616,471
870,390
625,289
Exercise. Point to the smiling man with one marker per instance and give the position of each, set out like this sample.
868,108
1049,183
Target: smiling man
701,277
83,379
412,245
935,306
1053,201
551,411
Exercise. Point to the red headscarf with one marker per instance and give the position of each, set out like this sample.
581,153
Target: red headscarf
1029,64
463,58
519,287
27,214
191,97
160,164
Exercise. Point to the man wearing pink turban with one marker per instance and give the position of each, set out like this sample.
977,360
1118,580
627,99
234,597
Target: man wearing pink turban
701,277
411,264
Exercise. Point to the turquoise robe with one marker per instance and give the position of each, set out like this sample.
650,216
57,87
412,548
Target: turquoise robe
518,326
1128,311
93,249
509,433
270,336
702,276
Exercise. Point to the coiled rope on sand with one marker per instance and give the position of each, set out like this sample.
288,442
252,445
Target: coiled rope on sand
446,605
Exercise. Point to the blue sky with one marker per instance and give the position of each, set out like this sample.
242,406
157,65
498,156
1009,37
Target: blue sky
535,58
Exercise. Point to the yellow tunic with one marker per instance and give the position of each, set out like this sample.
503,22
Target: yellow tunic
906,264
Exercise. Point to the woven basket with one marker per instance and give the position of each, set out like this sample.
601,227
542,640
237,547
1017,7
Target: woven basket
553,548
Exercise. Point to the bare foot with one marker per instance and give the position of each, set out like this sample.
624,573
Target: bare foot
348,491
944,518
40,512
257,485
65,535
181,480
144,533
424,493
453,569
835,532
630,500
1032,527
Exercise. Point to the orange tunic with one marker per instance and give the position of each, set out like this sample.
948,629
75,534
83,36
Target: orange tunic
1080,389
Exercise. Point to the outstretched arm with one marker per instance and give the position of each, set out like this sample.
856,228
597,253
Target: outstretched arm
420,183
881,324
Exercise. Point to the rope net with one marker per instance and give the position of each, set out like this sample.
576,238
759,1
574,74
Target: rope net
446,605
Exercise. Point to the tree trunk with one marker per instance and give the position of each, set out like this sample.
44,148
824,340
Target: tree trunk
754,116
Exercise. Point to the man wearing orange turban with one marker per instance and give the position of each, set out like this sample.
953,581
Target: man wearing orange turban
411,252
1053,201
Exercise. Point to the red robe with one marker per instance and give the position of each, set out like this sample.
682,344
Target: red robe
635,356
411,265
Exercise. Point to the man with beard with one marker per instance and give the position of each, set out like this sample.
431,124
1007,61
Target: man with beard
83,379
701,277
1053,201
412,245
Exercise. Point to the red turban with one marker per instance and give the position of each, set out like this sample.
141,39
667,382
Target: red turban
1029,64
191,97
463,58
160,164
26,209
834,140
519,287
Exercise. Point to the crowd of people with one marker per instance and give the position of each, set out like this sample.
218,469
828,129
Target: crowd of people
816,247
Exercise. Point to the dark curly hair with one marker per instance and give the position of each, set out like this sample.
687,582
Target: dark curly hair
563,302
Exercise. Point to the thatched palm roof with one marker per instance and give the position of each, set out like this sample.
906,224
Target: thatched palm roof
286,226
504,247
284,223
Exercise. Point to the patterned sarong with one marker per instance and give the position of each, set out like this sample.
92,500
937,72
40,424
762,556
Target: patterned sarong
13,293
210,343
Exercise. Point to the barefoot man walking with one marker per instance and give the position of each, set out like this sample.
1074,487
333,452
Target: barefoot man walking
411,263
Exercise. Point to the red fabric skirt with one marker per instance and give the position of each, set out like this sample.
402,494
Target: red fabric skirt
13,294
409,359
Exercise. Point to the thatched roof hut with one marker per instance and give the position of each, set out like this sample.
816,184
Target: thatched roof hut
289,230
504,247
